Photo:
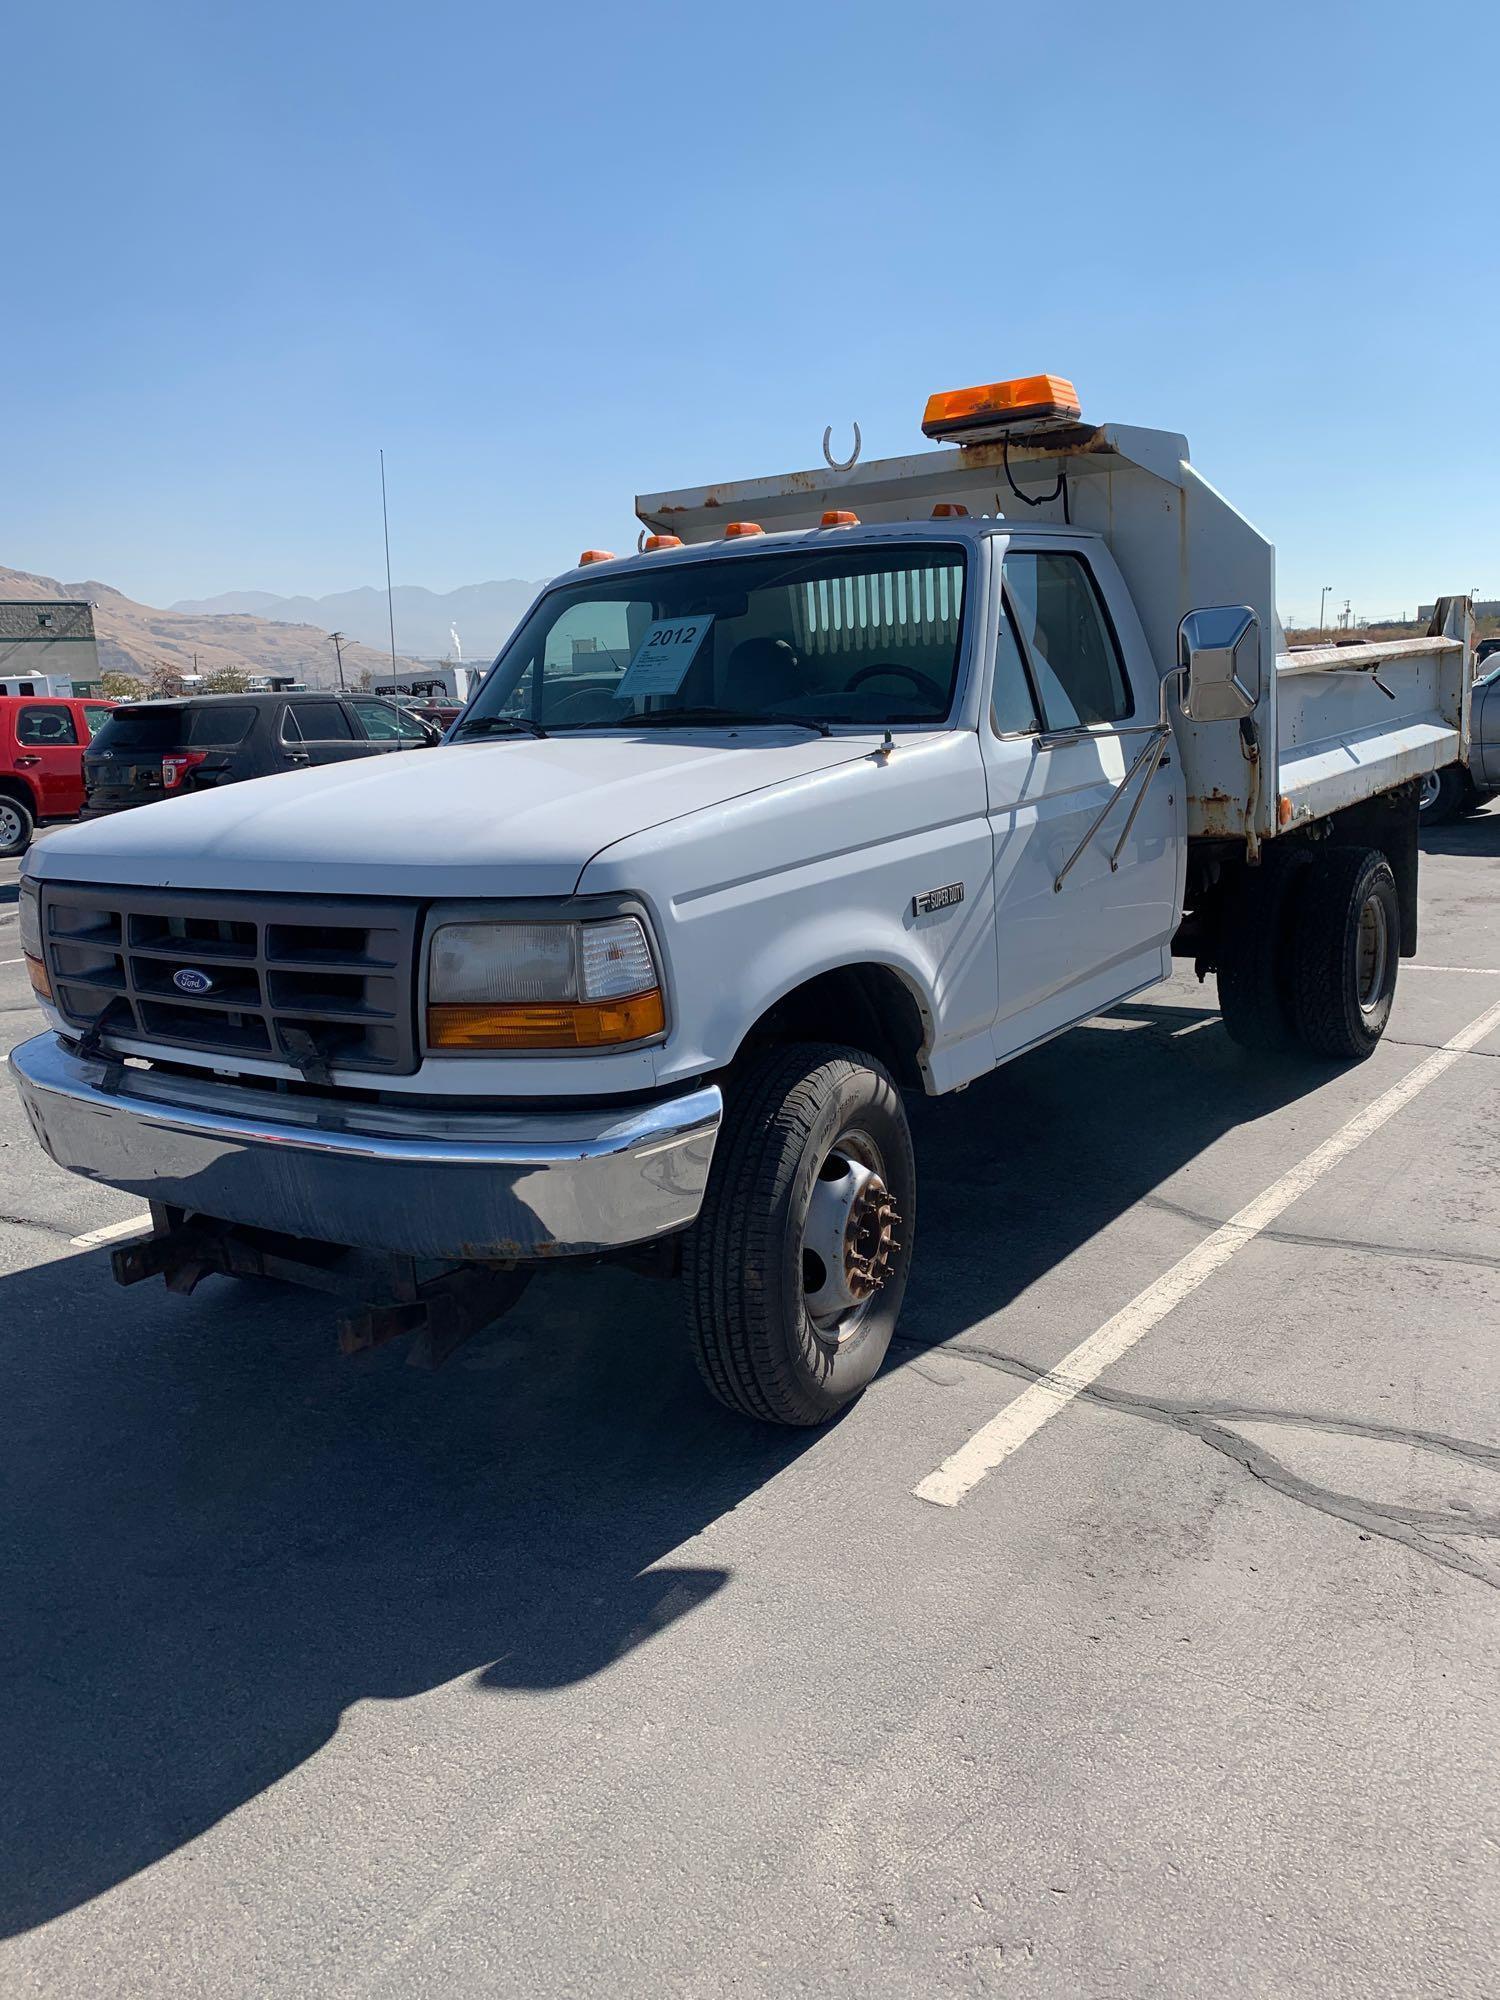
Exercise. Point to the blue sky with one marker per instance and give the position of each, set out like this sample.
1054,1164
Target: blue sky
551,257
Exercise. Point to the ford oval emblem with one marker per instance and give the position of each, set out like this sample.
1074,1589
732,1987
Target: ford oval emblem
191,980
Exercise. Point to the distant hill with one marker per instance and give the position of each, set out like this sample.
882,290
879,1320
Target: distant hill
134,638
485,615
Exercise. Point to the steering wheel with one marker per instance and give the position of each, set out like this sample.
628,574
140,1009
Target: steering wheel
924,684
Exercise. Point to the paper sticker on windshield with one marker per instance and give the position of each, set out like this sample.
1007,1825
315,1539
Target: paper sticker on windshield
660,662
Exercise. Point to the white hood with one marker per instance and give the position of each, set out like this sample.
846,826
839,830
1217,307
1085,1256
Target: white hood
516,817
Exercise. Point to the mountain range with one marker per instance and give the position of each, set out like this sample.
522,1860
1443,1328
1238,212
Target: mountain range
483,614
136,638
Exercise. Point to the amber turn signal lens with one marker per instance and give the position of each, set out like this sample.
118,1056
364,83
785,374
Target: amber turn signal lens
992,405
595,555
41,985
836,517
948,510
560,1025
737,528
660,542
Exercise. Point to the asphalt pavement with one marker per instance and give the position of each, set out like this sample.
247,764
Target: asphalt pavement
542,1675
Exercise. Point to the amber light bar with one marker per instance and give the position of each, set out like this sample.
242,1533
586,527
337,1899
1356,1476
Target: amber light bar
546,1025
991,407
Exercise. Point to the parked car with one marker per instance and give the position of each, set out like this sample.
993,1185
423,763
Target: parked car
163,749
42,744
1461,788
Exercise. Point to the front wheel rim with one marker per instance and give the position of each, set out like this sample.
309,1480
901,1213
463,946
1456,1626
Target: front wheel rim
1373,953
849,1244
10,826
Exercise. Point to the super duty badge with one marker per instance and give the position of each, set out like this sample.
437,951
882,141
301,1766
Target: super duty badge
937,899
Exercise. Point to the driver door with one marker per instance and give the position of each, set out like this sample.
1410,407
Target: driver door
1074,699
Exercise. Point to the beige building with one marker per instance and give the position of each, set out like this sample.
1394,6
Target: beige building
44,642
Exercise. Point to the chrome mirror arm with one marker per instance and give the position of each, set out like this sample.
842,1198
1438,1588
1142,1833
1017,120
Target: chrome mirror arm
1148,758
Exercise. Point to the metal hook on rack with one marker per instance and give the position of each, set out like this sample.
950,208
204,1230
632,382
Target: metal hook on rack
844,464
640,543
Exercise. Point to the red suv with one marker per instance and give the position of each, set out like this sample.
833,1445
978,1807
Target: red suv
42,741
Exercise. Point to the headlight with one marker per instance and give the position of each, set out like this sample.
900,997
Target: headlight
30,910
542,986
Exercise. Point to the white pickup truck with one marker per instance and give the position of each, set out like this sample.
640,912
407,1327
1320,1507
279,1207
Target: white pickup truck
848,783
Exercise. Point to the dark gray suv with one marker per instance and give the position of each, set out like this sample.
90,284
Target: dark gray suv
162,749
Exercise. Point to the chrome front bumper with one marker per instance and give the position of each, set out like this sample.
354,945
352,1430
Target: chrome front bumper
460,1184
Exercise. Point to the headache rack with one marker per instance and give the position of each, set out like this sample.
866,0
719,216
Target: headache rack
309,983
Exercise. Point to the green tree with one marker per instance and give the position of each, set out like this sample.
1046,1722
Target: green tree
226,680
115,686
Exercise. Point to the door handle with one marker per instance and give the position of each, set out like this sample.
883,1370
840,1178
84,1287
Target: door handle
25,763
298,757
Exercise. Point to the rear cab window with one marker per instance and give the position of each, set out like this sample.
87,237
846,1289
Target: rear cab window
1068,640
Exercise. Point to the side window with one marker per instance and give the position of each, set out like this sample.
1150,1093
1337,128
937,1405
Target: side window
46,728
95,715
1079,678
290,733
320,722
384,722
1012,709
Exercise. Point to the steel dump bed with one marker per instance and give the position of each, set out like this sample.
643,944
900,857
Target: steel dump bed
1331,727
1355,720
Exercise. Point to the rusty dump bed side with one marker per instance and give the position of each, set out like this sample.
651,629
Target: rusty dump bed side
1330,728
1356,720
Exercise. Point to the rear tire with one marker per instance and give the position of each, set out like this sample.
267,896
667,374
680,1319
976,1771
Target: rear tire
1444,796
1345,953
1255,952
815,1150
16,824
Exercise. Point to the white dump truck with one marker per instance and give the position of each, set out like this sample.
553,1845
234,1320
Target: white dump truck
848,783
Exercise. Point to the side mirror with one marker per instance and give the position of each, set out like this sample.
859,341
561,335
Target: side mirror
1218,650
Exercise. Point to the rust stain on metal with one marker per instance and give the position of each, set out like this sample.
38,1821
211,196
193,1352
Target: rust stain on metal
1220,813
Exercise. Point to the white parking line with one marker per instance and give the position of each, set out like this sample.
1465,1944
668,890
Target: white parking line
12,961
1021,1419
112,1232
1484,971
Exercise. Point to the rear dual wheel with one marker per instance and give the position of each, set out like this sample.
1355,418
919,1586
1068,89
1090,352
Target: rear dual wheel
1309,954
797,1264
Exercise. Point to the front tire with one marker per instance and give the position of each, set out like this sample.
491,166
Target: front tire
1345,953
795,1269
16,823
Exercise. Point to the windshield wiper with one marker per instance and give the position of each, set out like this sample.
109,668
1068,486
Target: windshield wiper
669,718
478,725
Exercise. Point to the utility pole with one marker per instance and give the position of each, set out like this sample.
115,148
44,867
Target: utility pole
338,647
1322,601
390,603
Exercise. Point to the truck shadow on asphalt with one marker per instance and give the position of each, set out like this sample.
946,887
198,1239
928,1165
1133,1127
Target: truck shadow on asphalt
1477,834
219,1534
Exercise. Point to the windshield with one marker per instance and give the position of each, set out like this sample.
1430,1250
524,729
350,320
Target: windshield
861,635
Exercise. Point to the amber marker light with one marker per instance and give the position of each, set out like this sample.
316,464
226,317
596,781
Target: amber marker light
992,406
